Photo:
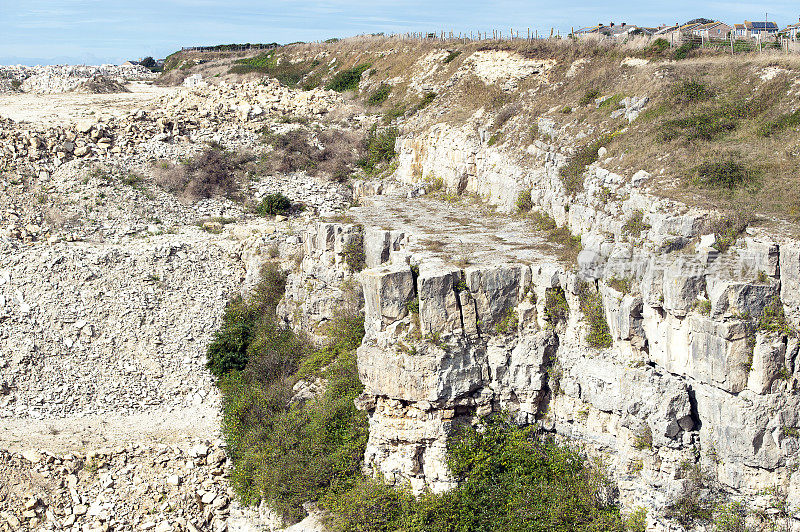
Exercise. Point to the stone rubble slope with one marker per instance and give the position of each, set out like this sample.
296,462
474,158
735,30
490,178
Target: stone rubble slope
50,79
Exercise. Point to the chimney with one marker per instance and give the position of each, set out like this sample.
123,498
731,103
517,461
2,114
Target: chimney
612,24
623,24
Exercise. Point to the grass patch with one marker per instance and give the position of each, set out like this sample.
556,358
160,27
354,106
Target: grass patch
591,304
682,51
729,173
556,308
635,224
347,80
451,56
588,97
379,95
571,244
572,173
690,91
783,122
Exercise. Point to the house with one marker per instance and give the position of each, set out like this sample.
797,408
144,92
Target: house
612,30
758,30
792,31
712,30
677,32
739,31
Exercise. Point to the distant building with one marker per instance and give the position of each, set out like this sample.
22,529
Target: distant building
614,31
792,31
756,30
677,32
712,30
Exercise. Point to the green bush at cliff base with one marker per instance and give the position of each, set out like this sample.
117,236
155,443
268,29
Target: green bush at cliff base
510,479
288,452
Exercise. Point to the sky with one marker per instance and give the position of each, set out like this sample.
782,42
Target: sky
113,31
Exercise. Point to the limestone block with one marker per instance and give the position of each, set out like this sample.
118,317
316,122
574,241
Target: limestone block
439,309
760,256
768,360
790,274
681,285
387,292
495,290
738,297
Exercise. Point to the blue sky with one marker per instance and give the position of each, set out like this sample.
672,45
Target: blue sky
99,31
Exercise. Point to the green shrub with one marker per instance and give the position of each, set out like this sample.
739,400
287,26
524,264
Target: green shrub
287,72
513,479
657,46
524,202
16,84
589,96
682,51
690,91
623,284
727,227
347,80
426,100
370,506
242,320
379,148
493,139
773,318
509,322
643,439
379,95
354,255
785,121
703,126
572,172
556,308
730,517
272,204
591,303
729,174
636,521
451,56
703,306
635,224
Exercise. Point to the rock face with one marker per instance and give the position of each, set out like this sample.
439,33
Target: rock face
694,375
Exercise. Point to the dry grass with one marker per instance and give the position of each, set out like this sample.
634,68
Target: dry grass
714,105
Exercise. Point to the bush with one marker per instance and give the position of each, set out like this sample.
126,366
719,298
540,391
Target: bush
354,255
773,318
513,479
556,309
505,114
242,320
273,204
524,202
729,174
296,150
635,224
682,51
727,227
572,172
379,95
426,100
379,147
588,97
451,56
591,303
210,173
657,46
690,91
347,80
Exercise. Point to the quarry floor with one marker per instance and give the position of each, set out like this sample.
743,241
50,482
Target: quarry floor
57,109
